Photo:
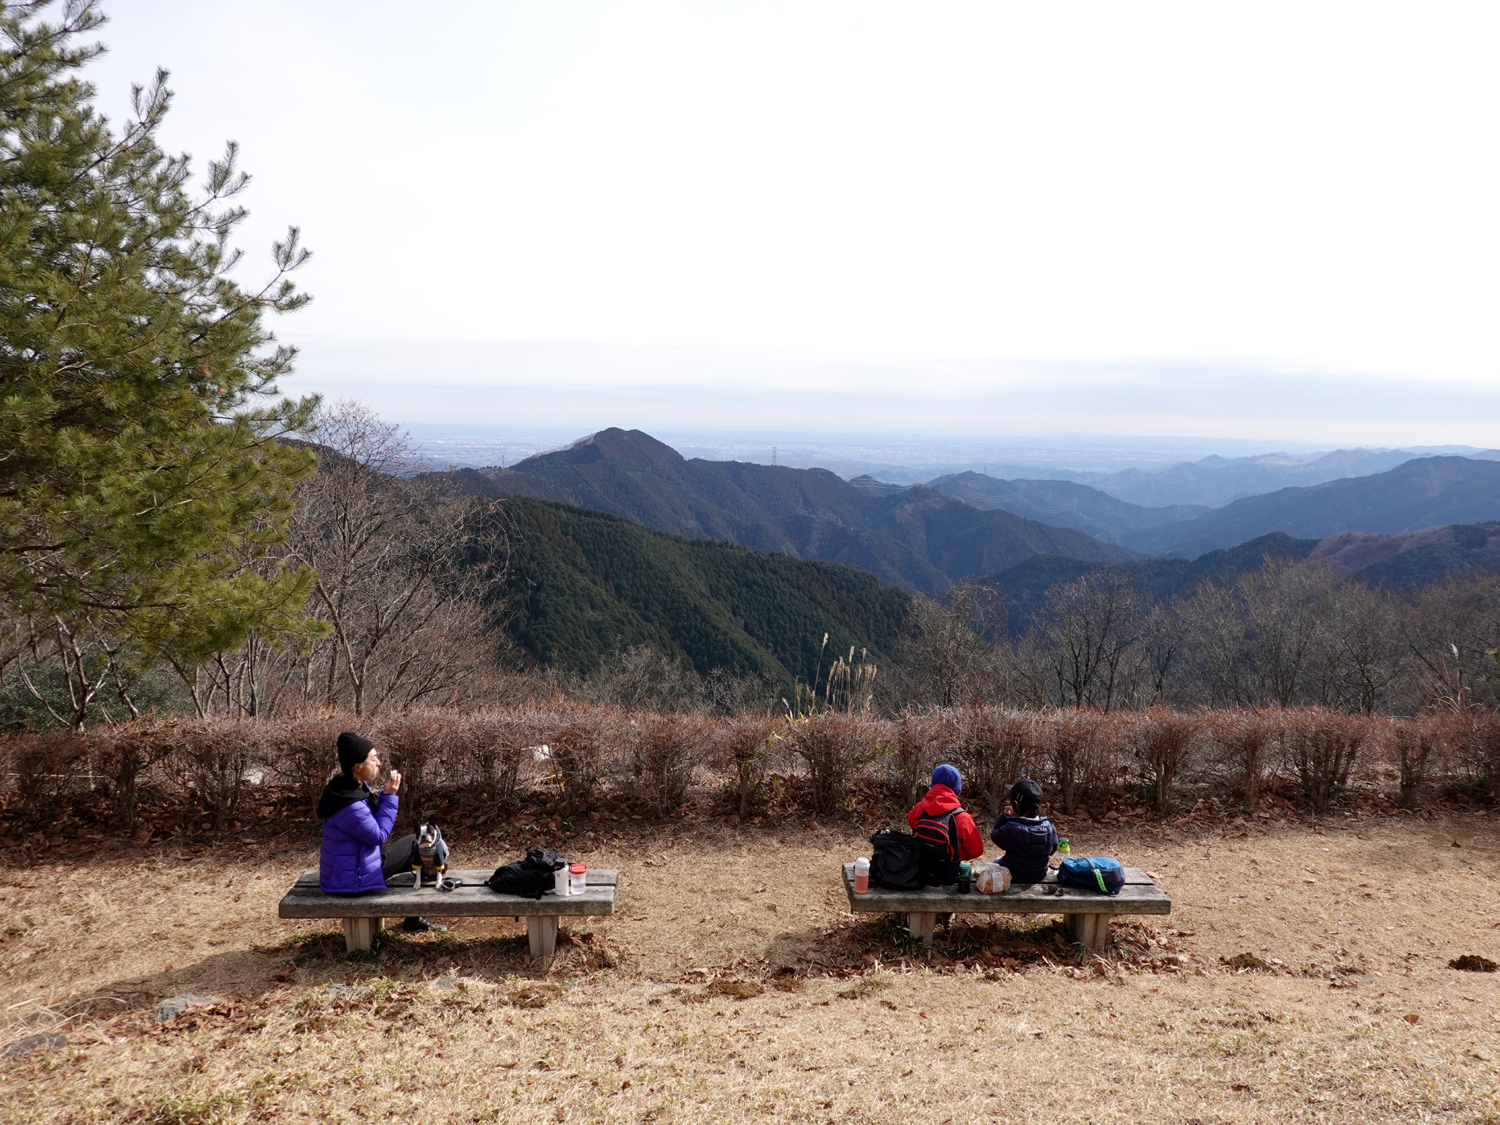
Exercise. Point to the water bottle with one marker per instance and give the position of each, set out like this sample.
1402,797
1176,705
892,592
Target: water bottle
965,877
861,875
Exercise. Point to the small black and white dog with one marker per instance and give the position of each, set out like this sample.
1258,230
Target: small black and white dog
433,855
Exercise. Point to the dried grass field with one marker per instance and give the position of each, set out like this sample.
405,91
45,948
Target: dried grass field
733,984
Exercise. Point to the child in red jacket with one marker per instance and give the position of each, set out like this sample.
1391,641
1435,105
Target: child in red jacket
947,833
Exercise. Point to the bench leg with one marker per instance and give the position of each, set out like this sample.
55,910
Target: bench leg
541,932
1089,930
360,932
921,926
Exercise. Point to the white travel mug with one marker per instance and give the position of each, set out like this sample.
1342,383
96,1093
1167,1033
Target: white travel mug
560,880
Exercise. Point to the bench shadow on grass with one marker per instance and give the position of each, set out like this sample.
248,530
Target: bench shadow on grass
1014,943
319,959
315,958
851,947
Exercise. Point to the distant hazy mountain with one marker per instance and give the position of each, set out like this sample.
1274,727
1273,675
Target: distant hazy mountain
1421,493
916,538
1060,503
1217,480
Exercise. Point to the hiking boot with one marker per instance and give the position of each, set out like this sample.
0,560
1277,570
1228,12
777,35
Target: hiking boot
422,926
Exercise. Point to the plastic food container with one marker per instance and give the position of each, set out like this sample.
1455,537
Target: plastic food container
578,879
861,875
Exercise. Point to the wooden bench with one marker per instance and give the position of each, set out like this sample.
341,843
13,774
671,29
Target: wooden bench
364,915
1087,913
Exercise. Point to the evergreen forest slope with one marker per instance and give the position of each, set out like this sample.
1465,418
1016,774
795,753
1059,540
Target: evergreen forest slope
916,538
585,585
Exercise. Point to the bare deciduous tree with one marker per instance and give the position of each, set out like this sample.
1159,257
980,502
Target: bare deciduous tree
1359,652
403,565
1088,628
948,657
1448,636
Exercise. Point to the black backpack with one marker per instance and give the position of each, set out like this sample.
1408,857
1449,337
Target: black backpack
938,838
895,861
531,877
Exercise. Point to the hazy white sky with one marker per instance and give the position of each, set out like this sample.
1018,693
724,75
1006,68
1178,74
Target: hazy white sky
998,207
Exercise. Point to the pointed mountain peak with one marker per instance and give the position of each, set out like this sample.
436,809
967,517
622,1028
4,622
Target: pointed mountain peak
633,447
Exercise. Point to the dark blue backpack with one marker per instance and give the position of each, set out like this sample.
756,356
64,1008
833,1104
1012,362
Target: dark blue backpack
1094,872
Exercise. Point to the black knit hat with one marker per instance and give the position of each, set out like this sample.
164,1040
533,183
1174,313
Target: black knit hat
352,750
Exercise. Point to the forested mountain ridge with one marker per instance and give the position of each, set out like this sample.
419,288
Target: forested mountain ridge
584,585
917,538
1025,586
1412,560
1421,493
1404,561
1061,503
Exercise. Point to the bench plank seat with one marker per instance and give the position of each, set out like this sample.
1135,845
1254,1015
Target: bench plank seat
364,914
1088,913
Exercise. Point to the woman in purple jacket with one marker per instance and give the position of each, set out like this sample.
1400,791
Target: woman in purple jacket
355,856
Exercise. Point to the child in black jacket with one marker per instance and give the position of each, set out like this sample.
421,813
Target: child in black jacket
1028,838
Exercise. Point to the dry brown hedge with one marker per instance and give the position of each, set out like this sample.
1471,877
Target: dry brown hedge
599,756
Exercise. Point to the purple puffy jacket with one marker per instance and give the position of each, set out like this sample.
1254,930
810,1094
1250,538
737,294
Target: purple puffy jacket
350,859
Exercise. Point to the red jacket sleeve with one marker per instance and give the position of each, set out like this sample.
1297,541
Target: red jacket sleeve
913,816
970,842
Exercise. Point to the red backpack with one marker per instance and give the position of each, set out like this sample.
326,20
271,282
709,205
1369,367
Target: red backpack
938,837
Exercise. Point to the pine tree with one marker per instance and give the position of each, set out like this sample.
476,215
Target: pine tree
142,473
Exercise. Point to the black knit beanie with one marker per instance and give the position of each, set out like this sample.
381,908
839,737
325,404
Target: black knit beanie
352,750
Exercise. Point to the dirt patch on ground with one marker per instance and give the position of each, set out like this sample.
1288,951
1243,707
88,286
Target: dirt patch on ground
1303,975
